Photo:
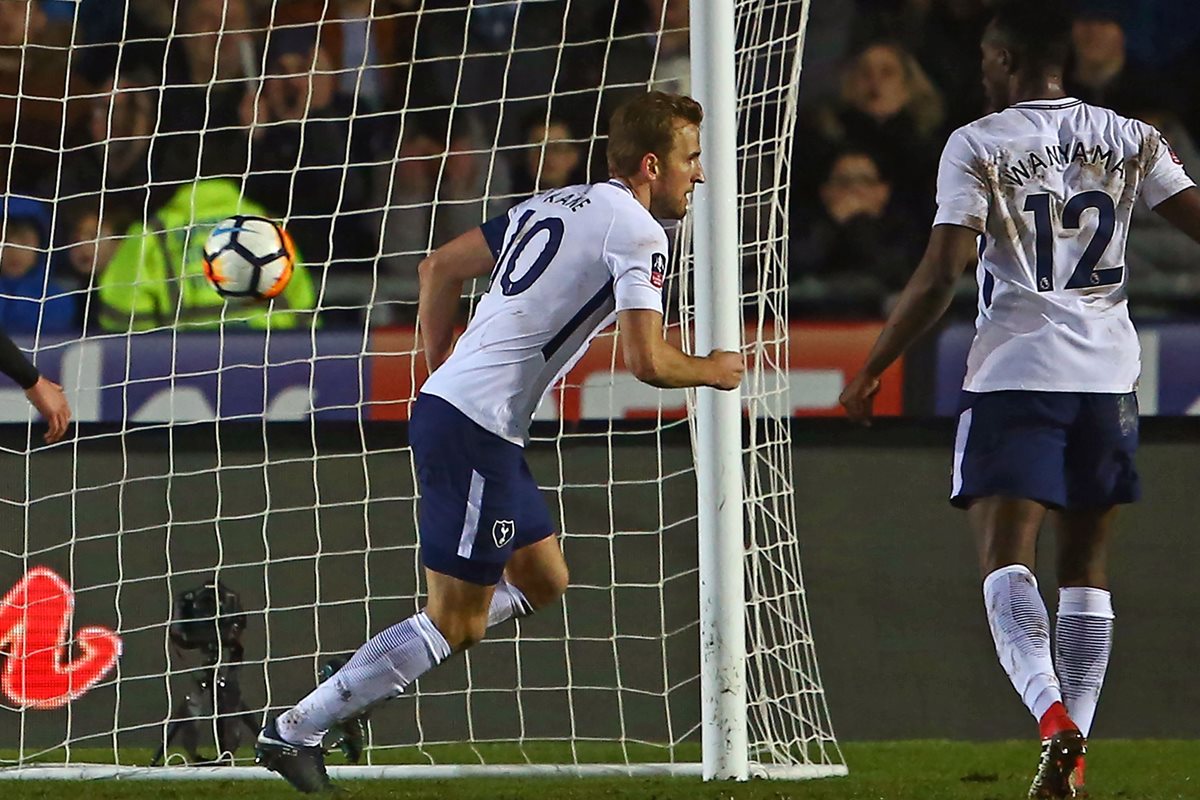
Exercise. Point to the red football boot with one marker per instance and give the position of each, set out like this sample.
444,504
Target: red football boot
1063,748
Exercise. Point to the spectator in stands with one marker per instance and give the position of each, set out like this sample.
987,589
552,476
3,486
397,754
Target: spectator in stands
830,30
552,158
361,41
299,166
1102,73
214,52
443,182
896,20
30,302
672,68
367,44
889,108
91,242
949,50
34,59
105,183
516,62
132,32
651,44
629,45
156,277
860,248
406,191
1163,260
111,149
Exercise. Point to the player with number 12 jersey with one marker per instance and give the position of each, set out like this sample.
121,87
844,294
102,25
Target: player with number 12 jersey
1050,186
1038,197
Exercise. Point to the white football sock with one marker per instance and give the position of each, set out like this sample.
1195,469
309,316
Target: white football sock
1082,644
383,667
1021,630
507,602
379,670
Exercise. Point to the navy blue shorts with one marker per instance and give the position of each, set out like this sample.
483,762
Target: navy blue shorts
479,501
1063,449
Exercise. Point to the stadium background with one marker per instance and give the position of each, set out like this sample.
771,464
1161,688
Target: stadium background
900,635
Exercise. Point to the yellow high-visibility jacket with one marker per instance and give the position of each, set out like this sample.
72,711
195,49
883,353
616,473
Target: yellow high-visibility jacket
156,277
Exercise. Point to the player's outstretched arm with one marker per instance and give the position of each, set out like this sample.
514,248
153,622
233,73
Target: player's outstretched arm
442,274
1182,210
951,249
654,360
45,395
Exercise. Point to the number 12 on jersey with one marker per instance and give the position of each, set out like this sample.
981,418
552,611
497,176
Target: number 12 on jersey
1085,274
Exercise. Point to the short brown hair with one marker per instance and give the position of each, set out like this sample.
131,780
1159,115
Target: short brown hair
646,124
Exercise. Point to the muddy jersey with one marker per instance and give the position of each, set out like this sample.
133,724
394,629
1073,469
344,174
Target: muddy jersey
1050,186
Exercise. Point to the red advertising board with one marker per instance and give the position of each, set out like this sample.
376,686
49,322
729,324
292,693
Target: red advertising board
821,358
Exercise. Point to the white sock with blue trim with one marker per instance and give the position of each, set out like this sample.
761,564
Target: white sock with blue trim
383,667
379,670
1021,630
1082,644
507,602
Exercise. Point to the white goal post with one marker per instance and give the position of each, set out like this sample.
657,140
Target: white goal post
254,447
718,415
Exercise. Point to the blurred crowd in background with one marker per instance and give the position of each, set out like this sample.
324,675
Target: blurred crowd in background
121,121
886,81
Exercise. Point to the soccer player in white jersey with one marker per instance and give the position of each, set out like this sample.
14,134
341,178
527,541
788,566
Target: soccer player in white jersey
563,266
1037,196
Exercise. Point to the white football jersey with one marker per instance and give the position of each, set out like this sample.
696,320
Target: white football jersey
567,262
1050,185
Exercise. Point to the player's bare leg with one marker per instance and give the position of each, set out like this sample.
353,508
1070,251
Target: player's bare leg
1006,531
1083,540
458,609
1083,635
534,577
539,571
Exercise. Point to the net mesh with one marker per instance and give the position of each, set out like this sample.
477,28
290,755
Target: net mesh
250,445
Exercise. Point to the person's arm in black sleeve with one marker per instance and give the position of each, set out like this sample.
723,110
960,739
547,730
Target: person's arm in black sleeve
15,365
45,395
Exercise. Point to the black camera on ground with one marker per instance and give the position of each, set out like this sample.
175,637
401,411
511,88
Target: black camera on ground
208,618
211,620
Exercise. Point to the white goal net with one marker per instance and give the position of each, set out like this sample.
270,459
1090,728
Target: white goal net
255,453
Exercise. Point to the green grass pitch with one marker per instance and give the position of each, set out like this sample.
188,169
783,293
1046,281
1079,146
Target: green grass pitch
1117,770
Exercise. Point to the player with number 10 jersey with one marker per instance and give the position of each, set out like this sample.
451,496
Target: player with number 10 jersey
562,266
534,322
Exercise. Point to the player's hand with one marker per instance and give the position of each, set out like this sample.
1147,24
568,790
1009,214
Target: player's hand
728,369
858,398
48,398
